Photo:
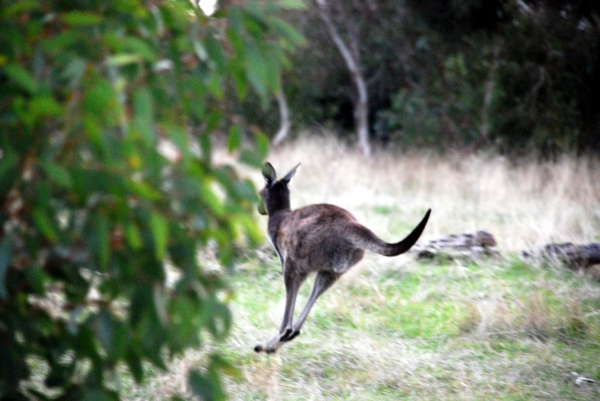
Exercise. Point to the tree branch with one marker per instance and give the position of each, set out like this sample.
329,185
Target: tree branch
361,105
284,112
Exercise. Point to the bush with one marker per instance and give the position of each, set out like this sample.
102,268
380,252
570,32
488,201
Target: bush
92,95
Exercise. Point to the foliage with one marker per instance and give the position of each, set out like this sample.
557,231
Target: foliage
549,80
464,73
443,111
107,111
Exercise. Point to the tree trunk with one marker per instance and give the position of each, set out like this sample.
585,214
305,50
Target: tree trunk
488,92
284,112
361,106
361,116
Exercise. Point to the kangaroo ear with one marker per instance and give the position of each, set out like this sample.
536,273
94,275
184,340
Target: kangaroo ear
269,173
288,177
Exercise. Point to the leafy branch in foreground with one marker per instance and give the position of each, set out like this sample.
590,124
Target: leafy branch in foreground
92,204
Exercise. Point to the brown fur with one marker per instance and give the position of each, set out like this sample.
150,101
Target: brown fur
320,238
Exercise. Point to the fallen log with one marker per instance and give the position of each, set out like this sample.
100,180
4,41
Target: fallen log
573,255
466,246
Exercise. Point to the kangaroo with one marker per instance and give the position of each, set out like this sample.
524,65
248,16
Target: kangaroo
320,238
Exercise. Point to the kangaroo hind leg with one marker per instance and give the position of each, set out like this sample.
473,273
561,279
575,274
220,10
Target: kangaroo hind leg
293,281
323,281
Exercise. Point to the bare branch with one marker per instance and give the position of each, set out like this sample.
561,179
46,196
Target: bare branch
284,112
361,105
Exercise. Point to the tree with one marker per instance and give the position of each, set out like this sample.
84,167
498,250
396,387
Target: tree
92,207
351,55
284,113
348,90
514,75
551,79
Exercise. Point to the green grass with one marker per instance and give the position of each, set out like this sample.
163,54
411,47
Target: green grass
398,329
417,331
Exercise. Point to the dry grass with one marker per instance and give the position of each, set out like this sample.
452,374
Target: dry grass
522,205
397,329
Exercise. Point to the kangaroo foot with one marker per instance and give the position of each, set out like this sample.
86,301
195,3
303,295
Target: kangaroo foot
270,347
264,348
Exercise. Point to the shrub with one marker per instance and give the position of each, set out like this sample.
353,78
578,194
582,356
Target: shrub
92,94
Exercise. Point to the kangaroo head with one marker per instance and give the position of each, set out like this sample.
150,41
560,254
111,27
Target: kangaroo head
275,195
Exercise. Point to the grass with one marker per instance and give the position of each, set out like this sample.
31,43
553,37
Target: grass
395,328
499,331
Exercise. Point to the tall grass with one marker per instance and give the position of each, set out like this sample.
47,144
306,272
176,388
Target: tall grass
394,328
523,204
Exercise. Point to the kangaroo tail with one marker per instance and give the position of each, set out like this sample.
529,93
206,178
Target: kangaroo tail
369,241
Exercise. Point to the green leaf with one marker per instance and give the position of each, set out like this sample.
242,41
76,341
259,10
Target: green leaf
211,200
215,53
205,388
132,234
144,114
180,139
140,47
273,56
100,239
45,224
111,334
21,77
235,138
256,70
253,232
262,144
292,4
97,394
58,174
5,257
160,233
122,59
215,85
220,320
98,100
19,7
9,171
251,158
255,19
241,83
141,303
234,16
212,120
85,343
288,32
64,40
134,363
44,106
144,190
218,362
81,18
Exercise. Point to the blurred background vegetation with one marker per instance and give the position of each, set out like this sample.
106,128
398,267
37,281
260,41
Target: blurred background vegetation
108,190
513,75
